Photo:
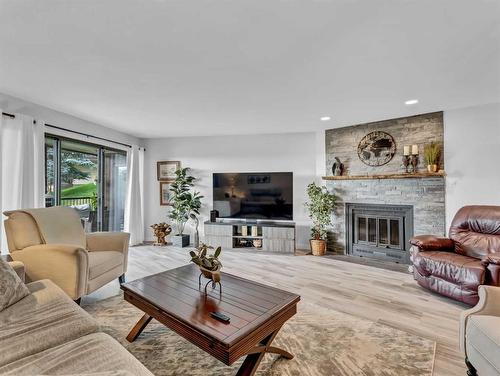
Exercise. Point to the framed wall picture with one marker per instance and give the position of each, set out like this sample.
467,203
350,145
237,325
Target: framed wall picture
165,193
165,170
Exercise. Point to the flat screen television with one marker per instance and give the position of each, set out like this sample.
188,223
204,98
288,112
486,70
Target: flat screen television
254,195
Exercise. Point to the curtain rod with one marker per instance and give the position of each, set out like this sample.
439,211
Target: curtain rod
87,135
76,132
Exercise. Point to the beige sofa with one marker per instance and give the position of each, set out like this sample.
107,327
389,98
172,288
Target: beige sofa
46,333
480,334
52,245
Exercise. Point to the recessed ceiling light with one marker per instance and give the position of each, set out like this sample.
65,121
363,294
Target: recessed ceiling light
412,101
325,118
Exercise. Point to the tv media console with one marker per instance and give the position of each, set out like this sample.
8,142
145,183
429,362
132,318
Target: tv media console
265,236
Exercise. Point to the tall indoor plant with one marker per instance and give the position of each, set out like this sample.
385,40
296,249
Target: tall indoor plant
320,205
184,203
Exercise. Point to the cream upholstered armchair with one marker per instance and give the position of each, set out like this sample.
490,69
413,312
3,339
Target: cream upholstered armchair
52,245
480,334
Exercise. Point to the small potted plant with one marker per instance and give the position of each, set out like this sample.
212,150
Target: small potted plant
184,203
431,156
321,204
210,265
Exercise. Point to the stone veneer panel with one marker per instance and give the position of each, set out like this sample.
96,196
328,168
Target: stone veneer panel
419,129
426,195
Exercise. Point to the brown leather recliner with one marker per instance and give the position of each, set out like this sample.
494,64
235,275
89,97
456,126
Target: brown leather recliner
456,266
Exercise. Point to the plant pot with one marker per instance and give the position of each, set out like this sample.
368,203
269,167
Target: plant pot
180,240
214,275
318,247
432,168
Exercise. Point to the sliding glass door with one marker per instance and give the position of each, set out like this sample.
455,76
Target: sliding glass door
114,188
89,178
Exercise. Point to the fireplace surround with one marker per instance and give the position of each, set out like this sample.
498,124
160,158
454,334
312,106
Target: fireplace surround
385,186
379,231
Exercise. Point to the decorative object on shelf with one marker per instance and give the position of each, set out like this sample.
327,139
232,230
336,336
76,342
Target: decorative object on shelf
257,243
184,203
321,205
255,231
213,215
165,170
165,194
196,232
414,158
161,231
337,167
376,148
210,265
244,230
432,153
406,157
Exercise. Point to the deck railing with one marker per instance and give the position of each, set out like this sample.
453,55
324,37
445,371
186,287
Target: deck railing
71,201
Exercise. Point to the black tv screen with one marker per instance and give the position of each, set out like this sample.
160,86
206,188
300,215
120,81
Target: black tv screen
262,195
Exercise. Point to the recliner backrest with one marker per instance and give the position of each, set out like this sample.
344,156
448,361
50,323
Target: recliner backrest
476,230
54,225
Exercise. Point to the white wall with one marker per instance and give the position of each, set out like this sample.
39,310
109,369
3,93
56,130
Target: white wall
472,147
11,104
254,153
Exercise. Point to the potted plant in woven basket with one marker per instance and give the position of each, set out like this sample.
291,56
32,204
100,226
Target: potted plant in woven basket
432,153
320,205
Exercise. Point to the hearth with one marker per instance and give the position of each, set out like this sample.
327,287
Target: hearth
379,231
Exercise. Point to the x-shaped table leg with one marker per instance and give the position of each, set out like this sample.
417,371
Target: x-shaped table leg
255,355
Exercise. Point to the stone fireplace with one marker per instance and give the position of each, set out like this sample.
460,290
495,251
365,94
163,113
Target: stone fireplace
383,199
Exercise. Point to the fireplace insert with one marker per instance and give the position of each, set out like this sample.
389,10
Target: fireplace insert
379,231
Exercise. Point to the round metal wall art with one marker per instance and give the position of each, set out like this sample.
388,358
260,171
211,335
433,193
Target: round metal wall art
376,148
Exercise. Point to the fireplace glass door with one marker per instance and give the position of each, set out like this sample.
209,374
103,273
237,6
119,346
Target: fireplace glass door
378,231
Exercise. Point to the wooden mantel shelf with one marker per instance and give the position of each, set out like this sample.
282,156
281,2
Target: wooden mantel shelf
418,175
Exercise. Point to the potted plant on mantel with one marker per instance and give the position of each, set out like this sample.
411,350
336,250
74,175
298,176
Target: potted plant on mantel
431,156
184,203
321,204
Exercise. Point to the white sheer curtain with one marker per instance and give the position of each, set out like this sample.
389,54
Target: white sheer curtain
21,165
134,204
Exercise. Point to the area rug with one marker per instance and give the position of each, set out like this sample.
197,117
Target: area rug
324,343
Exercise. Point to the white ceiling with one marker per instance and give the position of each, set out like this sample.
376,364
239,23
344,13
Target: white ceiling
184,68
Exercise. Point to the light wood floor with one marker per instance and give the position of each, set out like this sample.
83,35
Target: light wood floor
389,297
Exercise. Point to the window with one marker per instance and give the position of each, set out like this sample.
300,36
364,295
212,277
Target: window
90,178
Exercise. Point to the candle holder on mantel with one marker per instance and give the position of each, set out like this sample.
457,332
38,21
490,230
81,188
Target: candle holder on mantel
414,158
406,162
406,158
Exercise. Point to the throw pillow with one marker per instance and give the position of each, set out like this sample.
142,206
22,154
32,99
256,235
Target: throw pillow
12,289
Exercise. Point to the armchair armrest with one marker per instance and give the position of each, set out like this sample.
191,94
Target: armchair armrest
108,241
18,267
66,265
432,243
489,304
492,258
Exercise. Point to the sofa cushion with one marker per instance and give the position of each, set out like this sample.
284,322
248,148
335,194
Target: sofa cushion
92,353
101,262
45,318
460,270
483,342
12,288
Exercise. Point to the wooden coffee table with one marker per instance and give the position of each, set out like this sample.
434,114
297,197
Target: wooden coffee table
257,313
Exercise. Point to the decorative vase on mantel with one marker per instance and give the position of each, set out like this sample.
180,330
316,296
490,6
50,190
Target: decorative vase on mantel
432,168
